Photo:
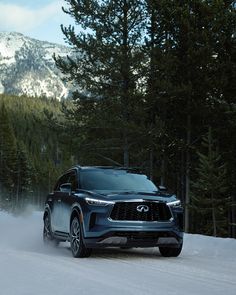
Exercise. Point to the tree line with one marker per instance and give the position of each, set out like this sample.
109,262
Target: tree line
32,152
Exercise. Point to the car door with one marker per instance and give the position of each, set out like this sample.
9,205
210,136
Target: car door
67,200
56,214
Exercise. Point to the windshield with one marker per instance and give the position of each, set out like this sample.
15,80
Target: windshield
115,181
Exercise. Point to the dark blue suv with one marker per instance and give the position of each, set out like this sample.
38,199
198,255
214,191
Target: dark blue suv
96,207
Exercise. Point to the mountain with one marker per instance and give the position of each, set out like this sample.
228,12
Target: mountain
27,66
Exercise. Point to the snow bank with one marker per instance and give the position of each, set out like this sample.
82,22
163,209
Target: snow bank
209,246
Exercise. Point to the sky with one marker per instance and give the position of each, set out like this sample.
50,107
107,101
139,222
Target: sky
40,19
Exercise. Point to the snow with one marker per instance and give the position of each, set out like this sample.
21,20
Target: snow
10,43
27,66
1,88
32,85
57,50
207,265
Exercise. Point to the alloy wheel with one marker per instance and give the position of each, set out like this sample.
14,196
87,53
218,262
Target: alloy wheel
75,235
47,235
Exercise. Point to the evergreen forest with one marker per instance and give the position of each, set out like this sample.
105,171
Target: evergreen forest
154,89
32,151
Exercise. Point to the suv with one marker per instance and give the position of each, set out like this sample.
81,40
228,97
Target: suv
96,207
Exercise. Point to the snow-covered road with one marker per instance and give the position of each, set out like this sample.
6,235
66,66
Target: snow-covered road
206,266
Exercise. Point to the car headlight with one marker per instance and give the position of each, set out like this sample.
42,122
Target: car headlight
96,202
174,203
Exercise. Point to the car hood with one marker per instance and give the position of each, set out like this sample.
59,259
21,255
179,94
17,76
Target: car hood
129,196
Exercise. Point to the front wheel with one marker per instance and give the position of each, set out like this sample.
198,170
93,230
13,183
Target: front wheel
170,252
78,248
48,238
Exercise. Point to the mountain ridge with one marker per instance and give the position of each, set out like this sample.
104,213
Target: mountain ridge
27,66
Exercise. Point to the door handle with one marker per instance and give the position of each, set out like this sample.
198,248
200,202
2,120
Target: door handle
59,200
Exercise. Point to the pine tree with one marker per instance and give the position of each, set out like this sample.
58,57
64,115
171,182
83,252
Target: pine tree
106,68
209,200
160,70
22,176
7,156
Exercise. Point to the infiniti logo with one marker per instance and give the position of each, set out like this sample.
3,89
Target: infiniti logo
142,208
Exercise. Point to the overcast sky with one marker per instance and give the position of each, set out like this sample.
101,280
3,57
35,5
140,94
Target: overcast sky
40,19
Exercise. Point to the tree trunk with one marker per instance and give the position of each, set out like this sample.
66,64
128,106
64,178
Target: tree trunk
151,164
213,217
125,67
126,151
17,189
152,88
182,178
163,171
233,217
187,176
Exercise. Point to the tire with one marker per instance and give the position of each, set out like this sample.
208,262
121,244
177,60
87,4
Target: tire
170,252
78,248
48,238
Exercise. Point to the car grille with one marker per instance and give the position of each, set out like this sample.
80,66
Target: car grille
128,211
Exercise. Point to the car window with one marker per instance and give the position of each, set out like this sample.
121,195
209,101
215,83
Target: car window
73,180
115,180
63,179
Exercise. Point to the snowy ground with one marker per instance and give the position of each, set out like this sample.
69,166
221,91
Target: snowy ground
206,266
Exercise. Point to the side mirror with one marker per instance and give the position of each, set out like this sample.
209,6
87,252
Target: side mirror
65,188
162,188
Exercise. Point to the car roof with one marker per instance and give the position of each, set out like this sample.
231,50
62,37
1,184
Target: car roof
78,167
103,167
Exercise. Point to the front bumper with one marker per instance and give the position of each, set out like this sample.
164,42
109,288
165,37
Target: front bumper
130,240
142,235
101,231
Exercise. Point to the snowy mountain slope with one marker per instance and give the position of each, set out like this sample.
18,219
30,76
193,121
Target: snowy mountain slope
27,66
206,266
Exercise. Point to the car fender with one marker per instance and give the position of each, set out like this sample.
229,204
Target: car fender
76,208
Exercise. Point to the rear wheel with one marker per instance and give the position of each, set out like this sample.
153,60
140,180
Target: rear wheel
78,248
170,252
47,233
